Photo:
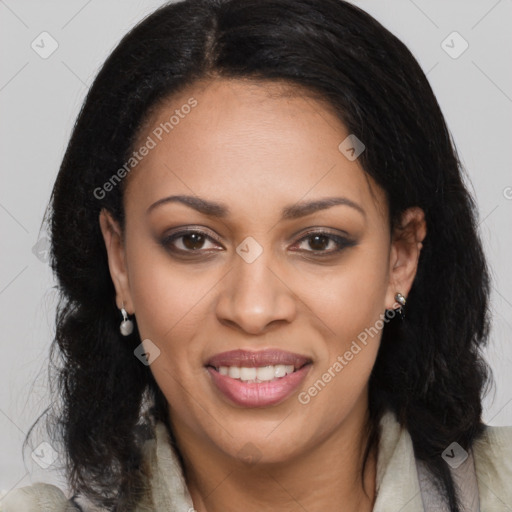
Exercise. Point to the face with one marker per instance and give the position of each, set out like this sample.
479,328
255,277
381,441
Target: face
258,285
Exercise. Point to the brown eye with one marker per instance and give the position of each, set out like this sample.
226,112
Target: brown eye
193,241
323,243
189,241
319,242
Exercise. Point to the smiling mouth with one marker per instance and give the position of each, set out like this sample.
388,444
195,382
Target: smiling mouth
258,374
260,378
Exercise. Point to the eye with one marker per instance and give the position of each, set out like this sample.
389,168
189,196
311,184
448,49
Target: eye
188,241
320,241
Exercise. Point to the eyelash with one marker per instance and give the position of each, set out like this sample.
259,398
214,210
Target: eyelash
341,242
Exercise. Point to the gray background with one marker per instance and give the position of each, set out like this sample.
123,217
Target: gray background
40,98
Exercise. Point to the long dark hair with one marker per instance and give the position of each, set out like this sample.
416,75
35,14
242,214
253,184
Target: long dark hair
429,370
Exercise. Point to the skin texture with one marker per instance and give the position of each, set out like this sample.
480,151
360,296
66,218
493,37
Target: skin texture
250,147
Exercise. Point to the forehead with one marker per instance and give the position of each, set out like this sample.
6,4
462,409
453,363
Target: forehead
247,142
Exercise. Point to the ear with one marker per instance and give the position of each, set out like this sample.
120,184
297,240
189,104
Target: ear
406,245
114,244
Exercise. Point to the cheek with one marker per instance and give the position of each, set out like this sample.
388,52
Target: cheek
351,296
169,305
163,293
351,304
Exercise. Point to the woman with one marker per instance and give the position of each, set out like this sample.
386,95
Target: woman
274,296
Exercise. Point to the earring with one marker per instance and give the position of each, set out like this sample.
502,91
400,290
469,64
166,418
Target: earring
126,326
401,300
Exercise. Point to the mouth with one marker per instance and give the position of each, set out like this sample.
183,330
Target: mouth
256,374
257,379
260,366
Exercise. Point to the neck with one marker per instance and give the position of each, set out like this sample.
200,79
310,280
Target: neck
325,477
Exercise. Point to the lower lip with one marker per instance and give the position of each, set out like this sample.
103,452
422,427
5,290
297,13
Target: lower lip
258,394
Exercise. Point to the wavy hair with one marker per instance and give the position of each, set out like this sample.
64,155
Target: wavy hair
429,369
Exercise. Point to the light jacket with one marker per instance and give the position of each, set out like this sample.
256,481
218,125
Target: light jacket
485,477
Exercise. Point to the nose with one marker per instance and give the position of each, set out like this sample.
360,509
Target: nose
255,297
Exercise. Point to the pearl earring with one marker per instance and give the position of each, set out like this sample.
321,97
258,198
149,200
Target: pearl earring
401,300
126,326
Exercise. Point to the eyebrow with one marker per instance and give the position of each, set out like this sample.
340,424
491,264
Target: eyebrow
294,211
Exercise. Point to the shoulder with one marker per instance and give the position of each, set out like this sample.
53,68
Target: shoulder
492,453
44,497
39,497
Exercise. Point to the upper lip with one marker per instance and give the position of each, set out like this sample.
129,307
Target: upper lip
252,359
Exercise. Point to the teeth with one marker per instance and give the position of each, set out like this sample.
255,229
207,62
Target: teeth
234,372
280,370
260,374
265,373
247,373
